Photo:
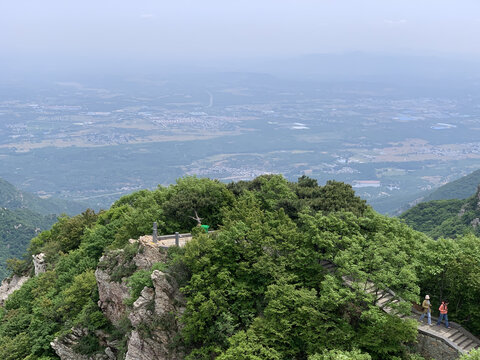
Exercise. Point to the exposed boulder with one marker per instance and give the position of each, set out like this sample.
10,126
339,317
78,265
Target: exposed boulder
153,316
113,270
475,222
65,347
167,295
478,197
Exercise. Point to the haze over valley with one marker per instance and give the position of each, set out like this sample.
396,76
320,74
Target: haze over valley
94,139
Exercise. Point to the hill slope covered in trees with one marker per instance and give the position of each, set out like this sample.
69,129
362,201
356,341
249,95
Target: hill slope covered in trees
23,216
446,218
13,198
459,189
17,228
254,289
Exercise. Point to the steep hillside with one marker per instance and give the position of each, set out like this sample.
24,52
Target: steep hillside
17,228
22,216
12,198
446,218
459,189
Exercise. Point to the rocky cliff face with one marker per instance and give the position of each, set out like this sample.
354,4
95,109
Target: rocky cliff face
154,320
153,317
10,285
112,294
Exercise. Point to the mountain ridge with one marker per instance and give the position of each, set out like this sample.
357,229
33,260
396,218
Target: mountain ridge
461,188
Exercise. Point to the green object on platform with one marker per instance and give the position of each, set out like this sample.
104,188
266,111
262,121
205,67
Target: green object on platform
205,227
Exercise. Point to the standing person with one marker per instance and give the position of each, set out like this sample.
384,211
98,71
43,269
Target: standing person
427,310
443,313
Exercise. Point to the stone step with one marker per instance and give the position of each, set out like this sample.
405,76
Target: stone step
388,310
425,327
472,346
384,300
385,294
467,343
448,333
381,293
456,339
371,291
369,287
463,340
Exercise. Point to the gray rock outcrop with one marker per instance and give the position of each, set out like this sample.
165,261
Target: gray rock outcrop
112,295
39,263
65,346
153,316
10,285
148,255
156,310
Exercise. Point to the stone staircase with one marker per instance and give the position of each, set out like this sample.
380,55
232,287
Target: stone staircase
455,337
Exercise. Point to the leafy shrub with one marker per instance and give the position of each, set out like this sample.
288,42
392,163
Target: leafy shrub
136,282
87,345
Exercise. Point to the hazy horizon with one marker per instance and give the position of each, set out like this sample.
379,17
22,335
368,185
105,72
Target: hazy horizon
124,36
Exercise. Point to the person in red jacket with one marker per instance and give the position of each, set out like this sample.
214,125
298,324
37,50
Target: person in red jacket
443,313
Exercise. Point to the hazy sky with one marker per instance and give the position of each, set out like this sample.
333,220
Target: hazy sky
168,30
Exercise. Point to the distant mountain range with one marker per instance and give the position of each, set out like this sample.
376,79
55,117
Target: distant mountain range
22,216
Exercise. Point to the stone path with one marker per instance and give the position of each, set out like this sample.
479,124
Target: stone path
456,336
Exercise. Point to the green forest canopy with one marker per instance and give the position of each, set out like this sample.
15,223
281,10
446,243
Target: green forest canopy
254,289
